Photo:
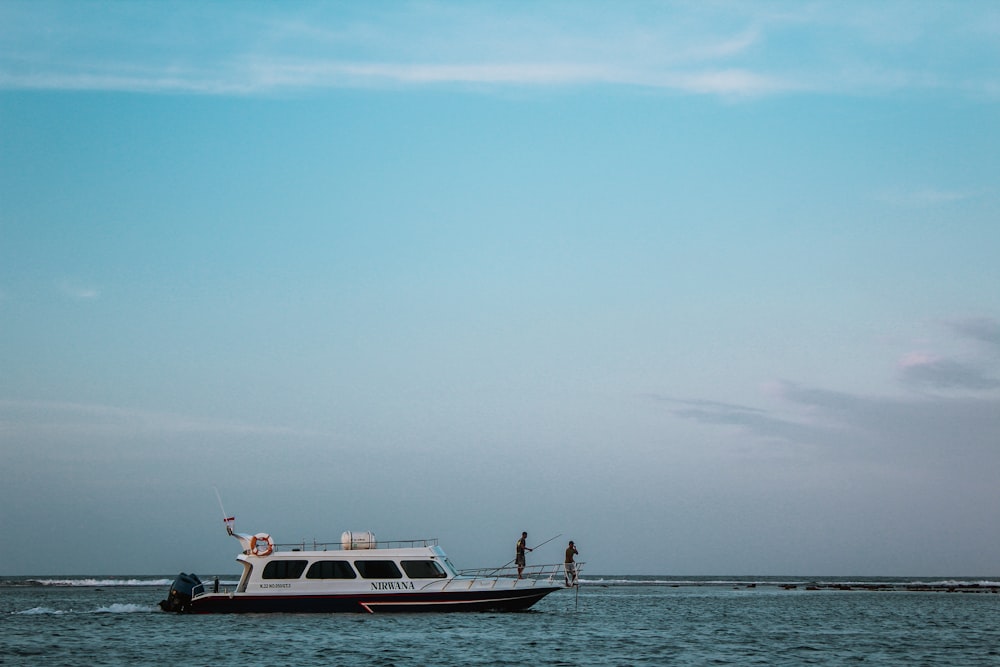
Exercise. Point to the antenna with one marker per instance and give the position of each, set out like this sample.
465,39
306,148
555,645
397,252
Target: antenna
226,519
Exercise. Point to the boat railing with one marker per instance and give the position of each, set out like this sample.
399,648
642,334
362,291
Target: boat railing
314,545
554,574
199,589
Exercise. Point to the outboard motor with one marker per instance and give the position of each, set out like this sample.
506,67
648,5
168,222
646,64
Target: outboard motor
179,598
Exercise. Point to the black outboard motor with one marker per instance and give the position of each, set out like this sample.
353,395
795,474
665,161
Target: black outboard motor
179,598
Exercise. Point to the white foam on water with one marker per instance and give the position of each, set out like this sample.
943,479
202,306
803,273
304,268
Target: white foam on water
92,582
119,608
116,608
38,611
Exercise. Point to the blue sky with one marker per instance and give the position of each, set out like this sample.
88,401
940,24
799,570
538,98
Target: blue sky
710,288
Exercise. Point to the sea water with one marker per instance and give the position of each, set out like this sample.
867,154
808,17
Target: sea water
607,621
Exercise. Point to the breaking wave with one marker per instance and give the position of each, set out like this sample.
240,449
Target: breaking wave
40,611
115,608
125,609
90,582
645,580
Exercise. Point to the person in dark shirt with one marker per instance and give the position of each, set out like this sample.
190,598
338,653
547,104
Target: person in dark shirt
519,553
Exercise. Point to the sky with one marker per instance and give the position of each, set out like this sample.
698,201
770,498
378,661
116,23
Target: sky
706,287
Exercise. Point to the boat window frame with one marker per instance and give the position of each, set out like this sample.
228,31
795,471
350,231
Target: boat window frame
269,567
362,566
318,564
440,572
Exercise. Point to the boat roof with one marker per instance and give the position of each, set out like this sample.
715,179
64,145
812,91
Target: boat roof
372,548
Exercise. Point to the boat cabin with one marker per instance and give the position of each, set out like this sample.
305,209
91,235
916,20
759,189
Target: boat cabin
390,568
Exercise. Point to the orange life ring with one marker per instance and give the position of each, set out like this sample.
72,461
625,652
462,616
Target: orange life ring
265,549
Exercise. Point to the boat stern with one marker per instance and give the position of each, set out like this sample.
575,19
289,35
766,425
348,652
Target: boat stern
179,598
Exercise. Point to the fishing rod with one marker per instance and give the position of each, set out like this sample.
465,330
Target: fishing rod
529,549
546,541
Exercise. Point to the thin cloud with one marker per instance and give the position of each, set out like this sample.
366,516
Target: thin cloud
78,291
940,373
758,422
857,427
727,50
951,413
701,403
269,76
983,329
972,372
82,419
764,426
935,425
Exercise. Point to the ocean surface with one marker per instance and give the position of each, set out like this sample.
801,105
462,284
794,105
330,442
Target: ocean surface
608,621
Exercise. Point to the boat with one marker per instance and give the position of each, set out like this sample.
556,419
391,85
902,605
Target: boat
360,574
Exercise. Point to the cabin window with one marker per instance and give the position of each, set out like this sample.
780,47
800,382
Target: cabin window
284,569
331,569
422,569
378,569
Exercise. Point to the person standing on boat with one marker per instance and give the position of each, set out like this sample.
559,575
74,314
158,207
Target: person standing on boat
570,565
519,553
